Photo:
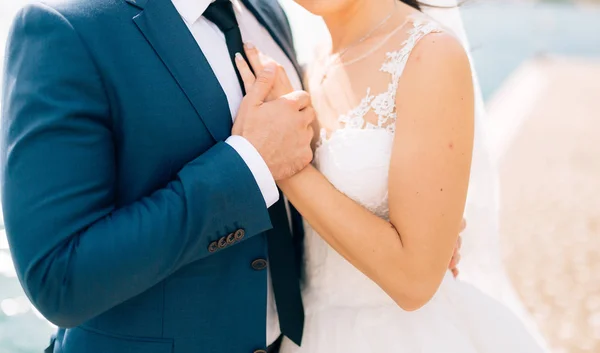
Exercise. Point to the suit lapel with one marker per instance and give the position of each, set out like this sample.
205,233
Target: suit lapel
164,29
265,14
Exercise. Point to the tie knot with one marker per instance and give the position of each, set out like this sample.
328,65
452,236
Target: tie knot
220,12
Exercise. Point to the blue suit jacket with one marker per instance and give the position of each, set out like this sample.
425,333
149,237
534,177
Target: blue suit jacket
117,182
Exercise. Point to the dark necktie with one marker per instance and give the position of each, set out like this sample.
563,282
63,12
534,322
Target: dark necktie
221,14
282,257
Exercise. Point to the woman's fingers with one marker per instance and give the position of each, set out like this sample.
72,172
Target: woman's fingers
286,85
456,260
247,75
257,61
455,255
455,272
253,57
453,263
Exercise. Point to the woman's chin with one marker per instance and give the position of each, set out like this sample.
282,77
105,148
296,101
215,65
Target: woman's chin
324,7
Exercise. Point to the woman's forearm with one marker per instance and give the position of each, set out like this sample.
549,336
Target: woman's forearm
368,242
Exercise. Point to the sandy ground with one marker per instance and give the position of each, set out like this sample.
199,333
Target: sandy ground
550,206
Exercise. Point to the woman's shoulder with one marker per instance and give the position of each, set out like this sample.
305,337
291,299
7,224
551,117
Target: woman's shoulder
421,25
421,43
439,47
437,70
428,41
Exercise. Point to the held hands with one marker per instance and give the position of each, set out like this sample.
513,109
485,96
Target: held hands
258,60
273,85
275,119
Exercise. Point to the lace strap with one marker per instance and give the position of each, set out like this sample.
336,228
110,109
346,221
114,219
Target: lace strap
384,104
396,61
385,107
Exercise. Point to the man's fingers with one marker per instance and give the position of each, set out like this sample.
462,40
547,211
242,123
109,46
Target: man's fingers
263,84
455,272
309,134
247,75
459,243
309,116
463,224
253,57
300,99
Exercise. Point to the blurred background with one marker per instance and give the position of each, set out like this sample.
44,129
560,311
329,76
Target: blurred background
538,64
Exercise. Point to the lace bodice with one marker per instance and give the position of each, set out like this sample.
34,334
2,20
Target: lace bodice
383,105
356,159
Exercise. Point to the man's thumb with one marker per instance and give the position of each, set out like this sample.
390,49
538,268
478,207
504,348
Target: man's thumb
263,84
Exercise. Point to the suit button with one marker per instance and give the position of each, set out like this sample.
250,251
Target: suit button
259,264
231,238
212,247
260,351
239,234
222,243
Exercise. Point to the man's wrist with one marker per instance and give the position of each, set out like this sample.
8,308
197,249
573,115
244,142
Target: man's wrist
258,167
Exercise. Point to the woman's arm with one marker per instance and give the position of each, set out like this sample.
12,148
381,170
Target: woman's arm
407,256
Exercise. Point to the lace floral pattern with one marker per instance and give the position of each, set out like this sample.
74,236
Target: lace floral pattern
354,118
384,104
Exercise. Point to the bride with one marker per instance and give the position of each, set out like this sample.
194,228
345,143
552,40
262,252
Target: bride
384,200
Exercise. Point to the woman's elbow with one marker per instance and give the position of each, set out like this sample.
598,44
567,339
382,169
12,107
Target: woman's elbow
415,294
412,303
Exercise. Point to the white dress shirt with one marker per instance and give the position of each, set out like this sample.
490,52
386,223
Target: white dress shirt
212,42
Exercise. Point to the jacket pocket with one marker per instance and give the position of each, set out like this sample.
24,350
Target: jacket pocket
80,339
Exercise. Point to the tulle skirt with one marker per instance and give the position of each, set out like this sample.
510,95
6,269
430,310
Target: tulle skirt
459,319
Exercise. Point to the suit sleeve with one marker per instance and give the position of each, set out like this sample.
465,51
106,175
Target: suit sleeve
77,254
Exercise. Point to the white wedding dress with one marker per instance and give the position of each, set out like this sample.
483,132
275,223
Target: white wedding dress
346,312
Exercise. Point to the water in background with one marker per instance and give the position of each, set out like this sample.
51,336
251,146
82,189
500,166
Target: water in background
502,36
22,329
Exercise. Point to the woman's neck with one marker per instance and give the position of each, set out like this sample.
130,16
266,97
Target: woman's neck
353,22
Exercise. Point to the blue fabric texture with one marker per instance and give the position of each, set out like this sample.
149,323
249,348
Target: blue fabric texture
132,225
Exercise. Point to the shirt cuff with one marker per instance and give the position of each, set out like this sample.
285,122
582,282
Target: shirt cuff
258,167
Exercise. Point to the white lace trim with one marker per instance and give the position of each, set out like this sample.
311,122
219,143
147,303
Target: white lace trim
384,104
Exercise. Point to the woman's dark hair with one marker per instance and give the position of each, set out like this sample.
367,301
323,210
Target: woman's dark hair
419,5
413,3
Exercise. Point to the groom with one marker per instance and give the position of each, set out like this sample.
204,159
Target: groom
137,223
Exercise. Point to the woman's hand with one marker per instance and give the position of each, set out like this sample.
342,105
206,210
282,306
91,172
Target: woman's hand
456,255
257,61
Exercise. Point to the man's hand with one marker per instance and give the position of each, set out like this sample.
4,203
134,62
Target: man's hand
279,129
456,256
